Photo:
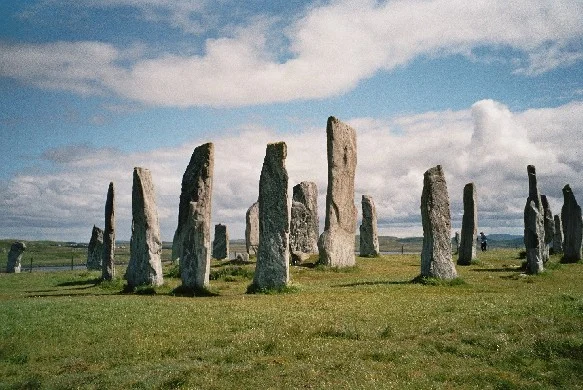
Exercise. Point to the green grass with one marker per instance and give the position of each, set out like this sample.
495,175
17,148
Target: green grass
371,328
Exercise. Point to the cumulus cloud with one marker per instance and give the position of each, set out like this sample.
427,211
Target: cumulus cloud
486,144
328,49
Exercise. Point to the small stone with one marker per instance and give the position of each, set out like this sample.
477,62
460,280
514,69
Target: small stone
298,257
221,242
369,236
95,249
242,258
15,257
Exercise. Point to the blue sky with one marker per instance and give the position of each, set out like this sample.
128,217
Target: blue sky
90,89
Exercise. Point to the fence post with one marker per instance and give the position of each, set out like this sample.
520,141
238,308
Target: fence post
402,249
72,262
30,271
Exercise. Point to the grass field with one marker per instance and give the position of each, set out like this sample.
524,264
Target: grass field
365,327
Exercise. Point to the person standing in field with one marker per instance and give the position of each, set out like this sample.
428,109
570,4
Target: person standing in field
484,242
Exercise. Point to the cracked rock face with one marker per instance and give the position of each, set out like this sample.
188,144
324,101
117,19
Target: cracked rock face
107,263
272,269
369,237
336,243
95,249
144,267
572,226
467,248
436,258
15,257
534,226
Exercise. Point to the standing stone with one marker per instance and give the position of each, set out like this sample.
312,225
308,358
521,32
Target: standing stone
534,226
14,257
549,224
306,193
145,266
299,230
252,228
558,237
192,240
436,258
456,242
107,264
95,249
572,226
336,244
467,251
369,236
221,242
272,269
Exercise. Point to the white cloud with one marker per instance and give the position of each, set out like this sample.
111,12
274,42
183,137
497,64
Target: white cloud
331,48
486,144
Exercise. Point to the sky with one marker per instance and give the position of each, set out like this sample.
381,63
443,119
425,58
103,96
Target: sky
90,89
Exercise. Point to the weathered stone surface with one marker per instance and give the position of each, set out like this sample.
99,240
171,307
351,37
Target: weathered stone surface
242,258
221,242
14,257
456,242
369,236
107,263
192,239
298,257
272,269
144,267
534,226
196,187
436,258
549,224
467,250
252,228
95,249
304,233
572,226
336,243
558,236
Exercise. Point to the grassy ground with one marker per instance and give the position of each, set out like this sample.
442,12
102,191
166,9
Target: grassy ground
365,327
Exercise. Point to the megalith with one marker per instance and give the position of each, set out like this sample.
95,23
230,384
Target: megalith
549,224
456,242
336,243
306,193
252,228
534,226
107,263
272,269
558,236
221,242
572,226
145,266
467,250
95,249
191,245
436,260
14,257
369,235
299,229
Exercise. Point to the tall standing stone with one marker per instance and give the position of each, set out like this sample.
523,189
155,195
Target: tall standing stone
456,242
145,266
252,228
336,243
558,237
436,260
107,263
192,239
369,236
14,257
534,226
549,224
572,226
95,249
221,242
272,269
304,226
467,251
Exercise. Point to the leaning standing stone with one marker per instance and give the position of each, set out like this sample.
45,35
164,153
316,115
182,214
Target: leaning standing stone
272,269
534,226
107,265
144,267
558,237
95,249
306,193
549,224
252,228
467,251
192,239
336,243
436,258
369,236
221,242
572,226
14,257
